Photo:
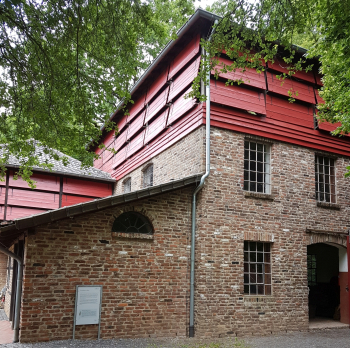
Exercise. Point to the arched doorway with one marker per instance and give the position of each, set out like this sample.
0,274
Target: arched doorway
327,281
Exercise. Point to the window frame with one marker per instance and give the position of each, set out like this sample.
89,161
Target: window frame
148,173
248,172
322,193
127,185
257,274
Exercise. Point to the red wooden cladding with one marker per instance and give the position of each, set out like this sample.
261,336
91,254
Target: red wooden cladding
2,211
280,66
156,126
184,57
237,97
136,108
43,182
30,198
86,187
136,144
135,125
157,104
300,91
107,167
180,129
318,97
318,79
109,138
250,76
18,212
184,79
117,159
70,200
120,140
122,122
2,194
107,154
180,107
98,163
157,85
293,113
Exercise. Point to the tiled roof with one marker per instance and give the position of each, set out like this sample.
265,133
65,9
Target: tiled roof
73,167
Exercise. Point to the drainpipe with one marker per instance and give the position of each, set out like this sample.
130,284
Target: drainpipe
199,187
18,290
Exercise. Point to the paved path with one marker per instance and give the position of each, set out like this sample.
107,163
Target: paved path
6,333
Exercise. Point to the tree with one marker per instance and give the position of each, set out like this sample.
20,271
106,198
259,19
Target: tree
66,64
251,32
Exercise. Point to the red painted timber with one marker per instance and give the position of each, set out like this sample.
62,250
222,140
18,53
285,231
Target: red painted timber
32,198
237,97
280,66
184,57
43,182
173,134
122,121
184,79
156,126
86,187
300,91
2,211
120,157
68,200
135,125
136,144
157,104
2,194
136,108
17,212
318,79
109,138
180,107
249,77
294,113
157,85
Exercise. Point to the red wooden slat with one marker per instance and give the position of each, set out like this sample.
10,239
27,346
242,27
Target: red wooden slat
86,187
301,91
250,76
318,97
43,182
157,85
280,66
180,107
32,198
98,162
156,126
109,138
330,127
17,212
184,56
184,79
68,200
136,144
135,125
237,97
136,108
117,159
318,79
120,141
2,194
122,122
293,113
2,211
157,104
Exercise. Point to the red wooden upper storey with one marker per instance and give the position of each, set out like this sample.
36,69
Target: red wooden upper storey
161,113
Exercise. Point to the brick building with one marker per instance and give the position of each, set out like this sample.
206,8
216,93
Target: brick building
270,223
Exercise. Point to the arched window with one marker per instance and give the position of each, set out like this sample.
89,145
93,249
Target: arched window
148,176
127,185
132,222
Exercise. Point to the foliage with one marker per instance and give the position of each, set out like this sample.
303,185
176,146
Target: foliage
66,64
255,29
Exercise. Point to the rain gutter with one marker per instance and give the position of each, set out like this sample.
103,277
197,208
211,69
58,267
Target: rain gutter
18,290
198,188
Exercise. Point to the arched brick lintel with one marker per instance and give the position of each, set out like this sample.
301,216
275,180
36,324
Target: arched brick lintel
324,237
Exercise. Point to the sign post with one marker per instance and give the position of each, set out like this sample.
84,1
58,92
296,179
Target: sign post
88,299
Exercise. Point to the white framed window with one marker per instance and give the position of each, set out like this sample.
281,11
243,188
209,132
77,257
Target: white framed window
325,179
257,167
257,268
148,176
127,185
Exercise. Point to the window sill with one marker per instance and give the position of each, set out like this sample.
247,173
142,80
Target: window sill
327,205
123,235
259,195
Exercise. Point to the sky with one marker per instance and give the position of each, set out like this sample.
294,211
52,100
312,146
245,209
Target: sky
202,3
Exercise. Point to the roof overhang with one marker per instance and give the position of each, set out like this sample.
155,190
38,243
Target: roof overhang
11,232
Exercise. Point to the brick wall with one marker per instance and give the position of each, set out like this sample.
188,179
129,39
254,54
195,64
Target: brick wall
180,160
227,216
3,273
145,281
9,286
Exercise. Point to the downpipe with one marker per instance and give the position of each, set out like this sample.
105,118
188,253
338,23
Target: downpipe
198,188
18,291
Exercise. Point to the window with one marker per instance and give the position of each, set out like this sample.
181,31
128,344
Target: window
325,179
132,222
127,185
256,167
311,270
148,176
257,268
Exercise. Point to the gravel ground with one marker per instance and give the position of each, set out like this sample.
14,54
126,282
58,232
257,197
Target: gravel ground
332,338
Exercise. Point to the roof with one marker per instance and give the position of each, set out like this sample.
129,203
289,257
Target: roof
73,167
10,232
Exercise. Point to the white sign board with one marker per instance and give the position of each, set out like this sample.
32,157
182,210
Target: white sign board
88,305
